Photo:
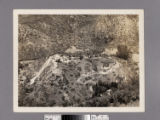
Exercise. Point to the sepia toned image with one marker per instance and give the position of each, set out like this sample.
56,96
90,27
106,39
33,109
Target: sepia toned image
81,61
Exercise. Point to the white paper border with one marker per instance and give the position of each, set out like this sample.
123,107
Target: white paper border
139,12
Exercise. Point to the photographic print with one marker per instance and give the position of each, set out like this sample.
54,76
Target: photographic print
78,60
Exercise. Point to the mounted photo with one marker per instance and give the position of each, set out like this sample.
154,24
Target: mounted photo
78,60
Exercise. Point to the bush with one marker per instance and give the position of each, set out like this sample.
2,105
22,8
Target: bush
122,52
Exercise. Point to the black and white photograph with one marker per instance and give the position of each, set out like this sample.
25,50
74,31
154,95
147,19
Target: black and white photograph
78,60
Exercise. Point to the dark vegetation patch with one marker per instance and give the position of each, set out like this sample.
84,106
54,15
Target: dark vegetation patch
123,52
114,94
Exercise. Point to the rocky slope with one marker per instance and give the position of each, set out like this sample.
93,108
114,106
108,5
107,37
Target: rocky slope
76,81
78,60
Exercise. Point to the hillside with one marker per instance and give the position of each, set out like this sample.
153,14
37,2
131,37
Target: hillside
78,60
47,35
71,81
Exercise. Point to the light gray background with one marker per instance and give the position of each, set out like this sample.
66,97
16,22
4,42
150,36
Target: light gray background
152,51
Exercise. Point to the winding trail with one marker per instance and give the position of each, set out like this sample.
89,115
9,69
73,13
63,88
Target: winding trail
52,61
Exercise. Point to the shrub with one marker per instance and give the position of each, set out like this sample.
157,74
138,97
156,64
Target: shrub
122,52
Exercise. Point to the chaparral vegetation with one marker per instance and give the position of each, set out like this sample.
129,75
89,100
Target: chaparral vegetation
78,60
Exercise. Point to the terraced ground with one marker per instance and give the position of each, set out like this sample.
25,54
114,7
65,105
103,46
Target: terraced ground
75,81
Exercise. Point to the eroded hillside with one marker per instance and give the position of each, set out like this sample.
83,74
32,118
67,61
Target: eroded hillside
78,60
